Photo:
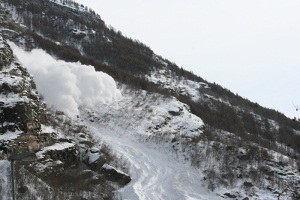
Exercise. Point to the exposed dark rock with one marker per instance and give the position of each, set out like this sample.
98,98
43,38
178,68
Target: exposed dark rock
4,149
65,140
174,140
87,143
97,180
281,174
22,189
232,196
86,174
113,175
174,113
82,136
6,55
230,148
248,184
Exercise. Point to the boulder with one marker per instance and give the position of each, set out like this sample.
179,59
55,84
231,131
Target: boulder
115,175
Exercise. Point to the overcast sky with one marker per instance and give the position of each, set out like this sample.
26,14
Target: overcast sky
250,47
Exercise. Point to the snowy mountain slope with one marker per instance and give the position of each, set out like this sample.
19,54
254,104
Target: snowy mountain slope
231,147
150,114
178,85
64,160
162,160
155,171
155,175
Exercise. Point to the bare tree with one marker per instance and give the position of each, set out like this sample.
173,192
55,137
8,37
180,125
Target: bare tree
297,109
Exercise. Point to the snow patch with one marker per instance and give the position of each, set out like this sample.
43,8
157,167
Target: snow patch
93,155
8,135
56,147
2,45
47,129
109,167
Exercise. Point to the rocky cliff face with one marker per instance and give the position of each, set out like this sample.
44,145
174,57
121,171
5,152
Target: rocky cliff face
22,110
6,55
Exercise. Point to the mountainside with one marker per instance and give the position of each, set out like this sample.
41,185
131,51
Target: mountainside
67,162
176,135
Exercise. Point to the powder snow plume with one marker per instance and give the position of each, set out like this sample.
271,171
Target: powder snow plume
67,85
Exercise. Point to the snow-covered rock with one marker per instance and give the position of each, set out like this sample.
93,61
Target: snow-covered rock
115,175
177,85
148,115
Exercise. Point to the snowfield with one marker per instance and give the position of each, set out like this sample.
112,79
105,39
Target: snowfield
155,174
141,128
155,171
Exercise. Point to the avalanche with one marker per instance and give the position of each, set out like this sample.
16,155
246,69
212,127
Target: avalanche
65,85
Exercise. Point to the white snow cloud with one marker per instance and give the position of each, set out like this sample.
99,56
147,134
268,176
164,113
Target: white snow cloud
67,85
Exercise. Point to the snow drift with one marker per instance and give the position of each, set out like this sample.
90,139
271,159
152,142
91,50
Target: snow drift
65,85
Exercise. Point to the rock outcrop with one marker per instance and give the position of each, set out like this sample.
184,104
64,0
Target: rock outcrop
6,55
22,109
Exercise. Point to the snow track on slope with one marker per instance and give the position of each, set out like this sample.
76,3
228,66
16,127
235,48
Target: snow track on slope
5,180
155,173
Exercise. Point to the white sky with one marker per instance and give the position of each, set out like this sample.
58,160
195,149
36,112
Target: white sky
250,47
